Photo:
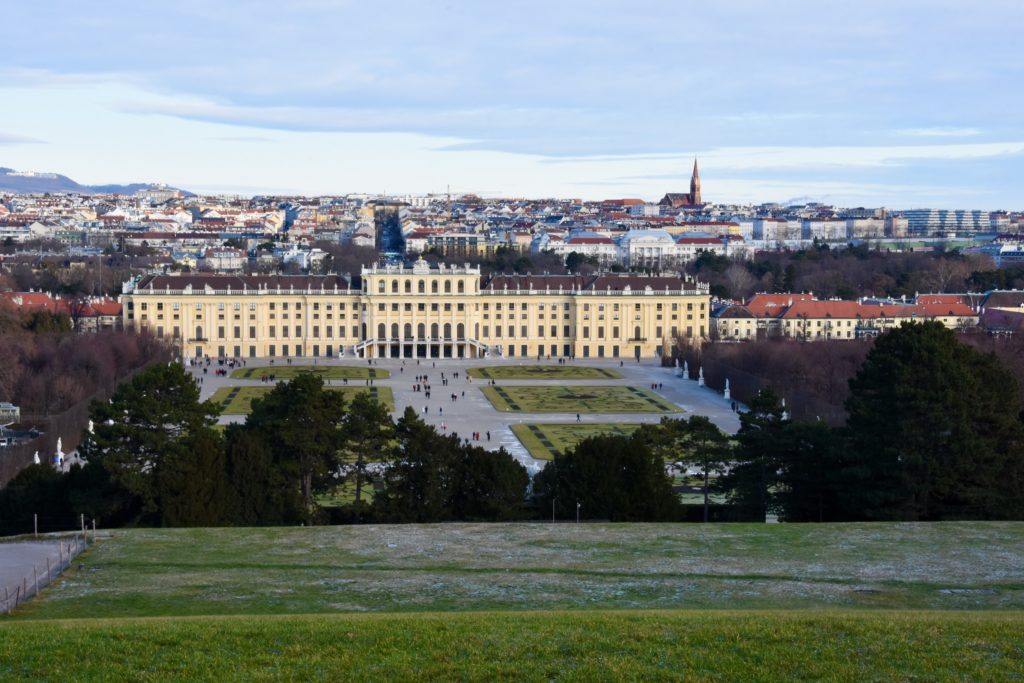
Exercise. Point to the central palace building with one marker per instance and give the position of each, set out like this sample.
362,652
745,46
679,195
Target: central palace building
420,312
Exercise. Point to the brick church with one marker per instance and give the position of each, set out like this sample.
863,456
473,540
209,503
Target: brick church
691,199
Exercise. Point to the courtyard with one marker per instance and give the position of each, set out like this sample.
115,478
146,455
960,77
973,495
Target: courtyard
605,395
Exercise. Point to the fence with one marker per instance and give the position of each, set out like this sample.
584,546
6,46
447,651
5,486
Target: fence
17,590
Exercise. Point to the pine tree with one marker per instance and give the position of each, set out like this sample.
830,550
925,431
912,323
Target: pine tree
935,430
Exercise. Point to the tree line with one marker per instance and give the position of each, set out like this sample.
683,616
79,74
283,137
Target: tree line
156,457
934,432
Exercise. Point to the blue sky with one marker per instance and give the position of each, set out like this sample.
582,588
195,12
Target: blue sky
898,103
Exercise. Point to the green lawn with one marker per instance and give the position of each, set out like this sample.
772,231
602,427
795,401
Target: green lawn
238,400
472,567
578,399
542,372
286,372
566,602
540,646
543,440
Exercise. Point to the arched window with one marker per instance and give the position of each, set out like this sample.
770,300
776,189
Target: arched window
460,330
421,331
408,286
380,287
433,329
394,286
422,287
447,286
408,330
447,330
636,333
462,287
433,287
394,330
381,334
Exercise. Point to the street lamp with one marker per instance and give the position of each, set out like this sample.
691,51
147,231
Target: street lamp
577,512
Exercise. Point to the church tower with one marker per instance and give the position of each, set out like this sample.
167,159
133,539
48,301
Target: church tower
695,186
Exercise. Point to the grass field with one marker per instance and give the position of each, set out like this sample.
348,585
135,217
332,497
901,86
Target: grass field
567,602
544,439
577,399
542,372
470,567
286,372
238,400
587,646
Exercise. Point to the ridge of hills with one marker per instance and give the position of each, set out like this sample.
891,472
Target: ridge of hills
19,182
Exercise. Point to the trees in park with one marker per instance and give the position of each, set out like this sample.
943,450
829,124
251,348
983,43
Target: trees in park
695,443
433,477
610,477
301,424
935,430
761,444
151,432
369,431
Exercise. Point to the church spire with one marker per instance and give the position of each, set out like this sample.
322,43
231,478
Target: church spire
695,185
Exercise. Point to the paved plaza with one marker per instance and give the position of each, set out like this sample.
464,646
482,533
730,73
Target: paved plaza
462,408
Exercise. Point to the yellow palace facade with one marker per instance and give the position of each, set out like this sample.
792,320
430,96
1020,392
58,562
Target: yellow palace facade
420,312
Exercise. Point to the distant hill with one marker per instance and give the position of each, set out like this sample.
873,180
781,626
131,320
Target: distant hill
34,183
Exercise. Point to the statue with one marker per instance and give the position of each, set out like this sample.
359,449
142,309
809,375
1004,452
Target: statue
726,393
686,370
785,413
679,369
90,427
35,458
700,377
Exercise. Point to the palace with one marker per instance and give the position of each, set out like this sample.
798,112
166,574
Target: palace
420,312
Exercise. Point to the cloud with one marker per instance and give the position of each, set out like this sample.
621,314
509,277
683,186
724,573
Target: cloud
7,139
938,132
242,138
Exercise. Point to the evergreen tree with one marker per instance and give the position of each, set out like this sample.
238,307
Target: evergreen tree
491,486
761,448
369,431
260,493
145,420
421,475
301,423
610,477
194,489
814,481
935,430
434,478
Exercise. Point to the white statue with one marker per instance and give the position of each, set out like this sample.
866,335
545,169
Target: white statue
686,370
679,370
700,377
35,458
727,394
90,427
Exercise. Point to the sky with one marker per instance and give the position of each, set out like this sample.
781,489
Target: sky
897,103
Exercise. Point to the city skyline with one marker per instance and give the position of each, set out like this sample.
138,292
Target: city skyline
906,106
